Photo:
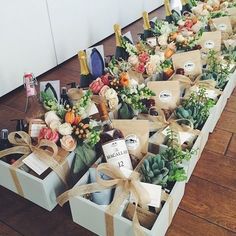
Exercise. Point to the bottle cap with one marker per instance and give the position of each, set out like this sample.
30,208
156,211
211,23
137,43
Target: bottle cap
63,90
4,133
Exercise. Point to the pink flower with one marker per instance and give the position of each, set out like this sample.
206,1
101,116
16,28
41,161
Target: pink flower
103,90
96,85
105,79
47,133
143,57
140,68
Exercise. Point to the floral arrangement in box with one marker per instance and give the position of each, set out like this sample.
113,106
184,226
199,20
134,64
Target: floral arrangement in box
122,93
73,129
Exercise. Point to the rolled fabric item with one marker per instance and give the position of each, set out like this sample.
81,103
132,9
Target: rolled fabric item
103,197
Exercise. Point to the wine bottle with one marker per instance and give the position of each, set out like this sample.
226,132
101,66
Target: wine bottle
169,18
112,141
64,97
120,53
85,76
185,6
147,27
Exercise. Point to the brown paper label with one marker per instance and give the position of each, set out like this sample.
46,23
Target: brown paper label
136,133
231,11
222,24
167,93
189,61
211,41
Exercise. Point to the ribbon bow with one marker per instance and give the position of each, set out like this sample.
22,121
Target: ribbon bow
126,186
23,145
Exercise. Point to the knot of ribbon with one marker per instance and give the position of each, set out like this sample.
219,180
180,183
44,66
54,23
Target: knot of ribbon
126,186
23,145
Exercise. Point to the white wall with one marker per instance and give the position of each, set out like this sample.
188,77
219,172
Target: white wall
36,35
26,43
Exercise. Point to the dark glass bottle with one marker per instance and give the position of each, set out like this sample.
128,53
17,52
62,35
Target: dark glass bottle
120,53
147,27
185,6
169,18
112,141
64,97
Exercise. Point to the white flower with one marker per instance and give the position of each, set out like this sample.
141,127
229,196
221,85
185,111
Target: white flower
133,60
162,40
180,38
65,129
93,123
54,125
141,86
110,93
133,83
166,28
51,116
181,23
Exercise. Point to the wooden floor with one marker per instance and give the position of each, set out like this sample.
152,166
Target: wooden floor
209,203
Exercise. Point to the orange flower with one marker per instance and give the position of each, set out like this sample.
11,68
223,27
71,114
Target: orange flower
124,79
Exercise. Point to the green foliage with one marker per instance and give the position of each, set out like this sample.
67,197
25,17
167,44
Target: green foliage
216,70
157,170
196,108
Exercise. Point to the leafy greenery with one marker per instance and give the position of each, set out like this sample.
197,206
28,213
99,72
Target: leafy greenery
216,70
196,108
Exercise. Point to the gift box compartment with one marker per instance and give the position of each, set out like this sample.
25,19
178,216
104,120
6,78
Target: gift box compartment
85,211
42,192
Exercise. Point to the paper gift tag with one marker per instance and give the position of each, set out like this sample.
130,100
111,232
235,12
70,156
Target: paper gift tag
167,93
35,164
153,190
223,24
128,35
152,42
136,133
35,125
189,61
211,41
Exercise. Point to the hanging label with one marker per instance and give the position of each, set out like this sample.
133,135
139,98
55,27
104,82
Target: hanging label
34,163
116,153
165,96
189,66
209,44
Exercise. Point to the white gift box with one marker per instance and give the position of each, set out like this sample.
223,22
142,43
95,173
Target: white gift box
217,110
42,192
92,216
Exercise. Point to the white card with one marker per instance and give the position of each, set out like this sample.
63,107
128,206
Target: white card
100,48
153,190
129,36
183,136
35,164
35,129
92,109
152,41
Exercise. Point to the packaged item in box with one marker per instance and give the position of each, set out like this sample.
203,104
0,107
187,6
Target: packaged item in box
190,62
222,24
167,93
136,133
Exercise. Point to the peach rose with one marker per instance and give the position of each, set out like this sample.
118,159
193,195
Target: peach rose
68,143
143,57
47,133
133,60
140,68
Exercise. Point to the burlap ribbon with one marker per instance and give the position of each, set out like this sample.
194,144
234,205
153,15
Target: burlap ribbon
23,145
126,185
